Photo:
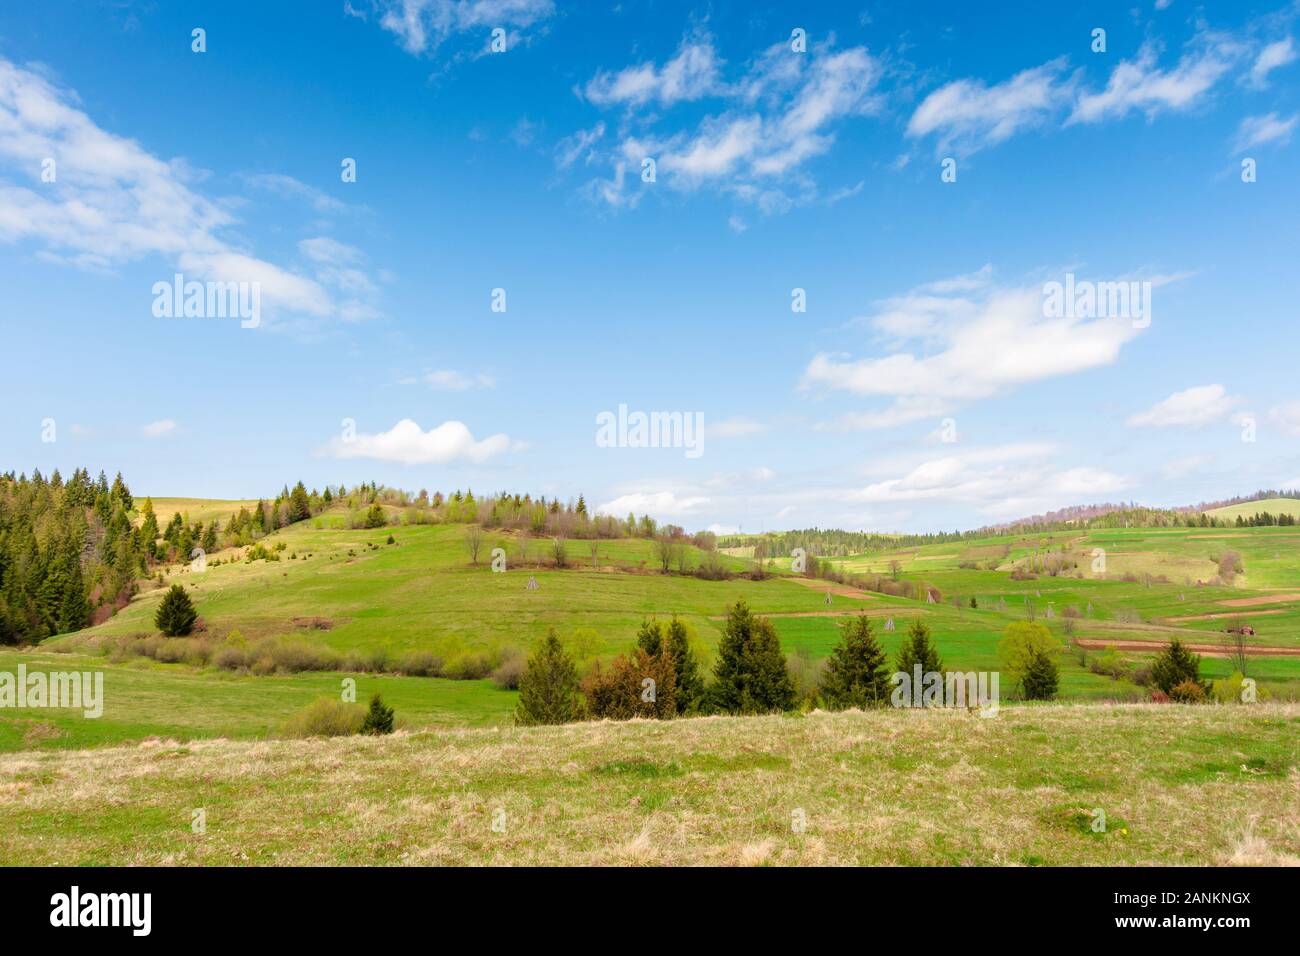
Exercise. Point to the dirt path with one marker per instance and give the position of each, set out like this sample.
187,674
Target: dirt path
1220,617
1209,650
841,590
1264,599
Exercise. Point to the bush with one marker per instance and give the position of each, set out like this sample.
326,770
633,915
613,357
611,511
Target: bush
325,717
230,658
620,692
468,665
510,670
379,718
1039,681
175,615
1188,692
421,664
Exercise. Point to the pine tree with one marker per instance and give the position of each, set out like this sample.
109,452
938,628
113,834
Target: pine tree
1174,665
690,685
548,689
857,674
750,675
1039,681
379,718
299,504
176,614
917,649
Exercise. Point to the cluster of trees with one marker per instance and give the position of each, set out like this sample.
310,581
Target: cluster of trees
1264,519
67,550
659,677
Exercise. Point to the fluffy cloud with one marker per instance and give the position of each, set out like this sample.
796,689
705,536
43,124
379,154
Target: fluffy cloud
782,113
1192,407
690,75
969,340
666,504
1003,481
1258,130
1270,58
112,202
423,25
967,114
1141,85
159,429
408,444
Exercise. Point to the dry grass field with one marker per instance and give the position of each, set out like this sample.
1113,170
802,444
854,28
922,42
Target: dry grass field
1178,785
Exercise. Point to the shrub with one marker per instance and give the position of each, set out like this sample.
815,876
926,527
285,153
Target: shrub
548,688
676,637
857,674
1187,692
621,692
421,664
378,719
510,670
325,717
1108,664
230,658
468,665
175,615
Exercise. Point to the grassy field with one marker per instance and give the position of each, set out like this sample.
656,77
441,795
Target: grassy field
1177,785
1276,506
351,591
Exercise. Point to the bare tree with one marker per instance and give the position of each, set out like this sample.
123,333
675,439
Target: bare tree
594,546
474,541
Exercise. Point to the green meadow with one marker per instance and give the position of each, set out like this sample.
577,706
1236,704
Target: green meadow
352,591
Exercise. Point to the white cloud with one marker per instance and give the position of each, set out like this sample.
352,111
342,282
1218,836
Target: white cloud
1193,407
1180,468
1270,58
968,115
690,75
780,116
287,185
408,444
578,146
1258,130
658,504
1141,85
159,429
423,25
970,340
1002,481
449,380
112,202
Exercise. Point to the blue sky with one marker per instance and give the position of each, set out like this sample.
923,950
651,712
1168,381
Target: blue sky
924,387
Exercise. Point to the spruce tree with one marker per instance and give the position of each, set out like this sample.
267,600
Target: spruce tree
917,649
690,685
175,615
548,689
299,504
1174,665
379,718
751,676
1039,680
857,674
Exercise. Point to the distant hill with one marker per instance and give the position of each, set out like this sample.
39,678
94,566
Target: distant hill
1276,506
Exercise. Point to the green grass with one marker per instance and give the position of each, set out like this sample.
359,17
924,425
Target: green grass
423,593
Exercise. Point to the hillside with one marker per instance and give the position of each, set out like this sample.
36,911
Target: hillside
1276,506
1192,785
